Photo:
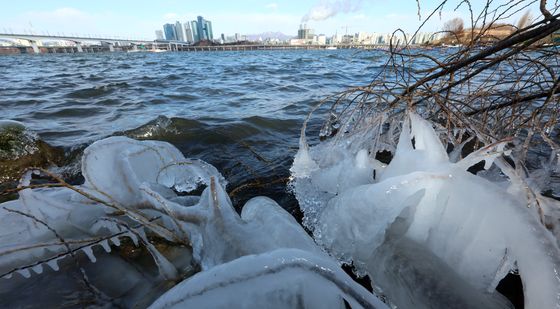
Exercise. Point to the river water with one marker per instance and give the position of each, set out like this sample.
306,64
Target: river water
240,111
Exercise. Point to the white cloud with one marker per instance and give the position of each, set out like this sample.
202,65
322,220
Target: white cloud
273,6
326,9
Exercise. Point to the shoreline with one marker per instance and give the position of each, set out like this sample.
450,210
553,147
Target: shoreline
171,47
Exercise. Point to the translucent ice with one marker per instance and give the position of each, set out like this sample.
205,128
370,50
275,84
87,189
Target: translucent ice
285,278
479,229
137,189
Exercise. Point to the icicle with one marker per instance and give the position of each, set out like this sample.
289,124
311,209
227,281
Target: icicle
116,241
53,264
488,154
89,252
303,164
426,138
455,155
166,269
505,267
133,237
105,245
38,269
24,272
142,234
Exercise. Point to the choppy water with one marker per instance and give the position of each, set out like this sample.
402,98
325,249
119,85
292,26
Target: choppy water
240,111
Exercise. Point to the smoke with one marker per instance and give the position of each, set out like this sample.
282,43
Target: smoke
327,8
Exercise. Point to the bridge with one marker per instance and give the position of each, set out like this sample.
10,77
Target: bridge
79,44
83,43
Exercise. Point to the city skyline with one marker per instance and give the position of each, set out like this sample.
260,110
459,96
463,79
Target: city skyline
139,19
190,31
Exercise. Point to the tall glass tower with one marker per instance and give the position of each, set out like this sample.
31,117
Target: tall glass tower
180,31
170,32
195,33
201,27
204,28
208,28
188,32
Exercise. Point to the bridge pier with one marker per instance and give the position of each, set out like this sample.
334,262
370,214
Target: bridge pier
35,47
106,44
79,47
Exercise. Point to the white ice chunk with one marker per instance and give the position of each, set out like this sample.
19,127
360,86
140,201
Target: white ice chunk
114,168
286,278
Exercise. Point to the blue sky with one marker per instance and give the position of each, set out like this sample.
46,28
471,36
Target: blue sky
140,18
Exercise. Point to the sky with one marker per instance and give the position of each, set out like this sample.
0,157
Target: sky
139,19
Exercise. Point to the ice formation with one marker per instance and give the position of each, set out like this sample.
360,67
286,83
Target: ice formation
135,189
429,233
284,278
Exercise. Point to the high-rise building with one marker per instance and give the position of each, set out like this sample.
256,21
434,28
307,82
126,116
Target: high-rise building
159,35
204,29
191,32
208,28
189,35
180,31
200,25
170,33
194,29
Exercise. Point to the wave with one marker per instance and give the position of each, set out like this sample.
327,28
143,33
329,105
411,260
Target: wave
265,144
70,112
97,91
181,96
94,78
164,128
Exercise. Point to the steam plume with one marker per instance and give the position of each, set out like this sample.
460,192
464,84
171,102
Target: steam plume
329,8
